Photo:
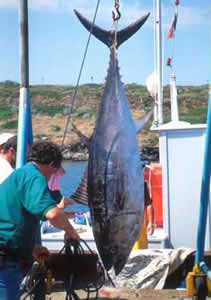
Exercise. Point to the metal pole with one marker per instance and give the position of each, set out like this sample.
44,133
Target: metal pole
24,43
173,96
205,190
159,62
24,118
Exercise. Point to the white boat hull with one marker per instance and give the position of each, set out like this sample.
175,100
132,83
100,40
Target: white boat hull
53,238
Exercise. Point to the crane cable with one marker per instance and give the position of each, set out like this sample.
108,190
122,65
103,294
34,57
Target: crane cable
79,76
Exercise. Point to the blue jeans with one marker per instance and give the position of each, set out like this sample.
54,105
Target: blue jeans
10,279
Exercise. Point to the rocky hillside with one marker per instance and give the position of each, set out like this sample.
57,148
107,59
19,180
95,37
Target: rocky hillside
52,104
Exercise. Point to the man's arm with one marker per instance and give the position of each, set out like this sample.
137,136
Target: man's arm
150,215
65,201
58,219
149,209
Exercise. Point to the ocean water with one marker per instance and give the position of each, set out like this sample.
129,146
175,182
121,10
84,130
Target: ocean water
71,180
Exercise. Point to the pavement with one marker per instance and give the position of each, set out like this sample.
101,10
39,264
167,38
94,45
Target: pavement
127,294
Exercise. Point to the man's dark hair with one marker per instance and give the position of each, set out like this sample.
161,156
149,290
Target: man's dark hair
45,153
11,143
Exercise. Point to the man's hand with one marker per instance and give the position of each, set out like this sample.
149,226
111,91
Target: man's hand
65,202
58,219
150,228
71,235
40,251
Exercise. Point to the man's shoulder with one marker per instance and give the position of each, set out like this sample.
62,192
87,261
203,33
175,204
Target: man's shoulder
29,172
4,163
28,167
5,168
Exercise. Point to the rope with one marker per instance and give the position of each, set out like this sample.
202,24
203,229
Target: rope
73,247
176,3
79,76
92,287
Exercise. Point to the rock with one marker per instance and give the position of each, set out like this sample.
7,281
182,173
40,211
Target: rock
55,128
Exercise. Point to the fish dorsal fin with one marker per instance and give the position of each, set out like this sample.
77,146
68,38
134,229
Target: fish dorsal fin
107,36
141,123
84,139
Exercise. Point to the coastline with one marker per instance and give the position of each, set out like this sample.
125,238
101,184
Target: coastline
79,152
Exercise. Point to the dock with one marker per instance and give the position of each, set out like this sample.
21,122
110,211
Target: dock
126,294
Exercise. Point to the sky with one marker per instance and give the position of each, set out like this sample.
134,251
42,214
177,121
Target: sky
57,41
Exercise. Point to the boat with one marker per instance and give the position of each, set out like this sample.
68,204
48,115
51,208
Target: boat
53,238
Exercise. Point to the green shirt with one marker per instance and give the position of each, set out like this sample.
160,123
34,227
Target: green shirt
24,201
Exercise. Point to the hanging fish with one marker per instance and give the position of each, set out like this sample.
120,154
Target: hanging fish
115,177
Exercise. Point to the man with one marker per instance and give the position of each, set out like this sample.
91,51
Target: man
4,137
55,191
25,200
54,185
8,144
146,227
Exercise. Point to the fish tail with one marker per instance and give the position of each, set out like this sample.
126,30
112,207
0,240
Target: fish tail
107,37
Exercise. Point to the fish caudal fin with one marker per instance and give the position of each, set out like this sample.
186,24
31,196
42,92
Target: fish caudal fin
107,37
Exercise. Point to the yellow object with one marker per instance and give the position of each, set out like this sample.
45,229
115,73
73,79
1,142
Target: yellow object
190,284
209,287
49,282
142,242
191,291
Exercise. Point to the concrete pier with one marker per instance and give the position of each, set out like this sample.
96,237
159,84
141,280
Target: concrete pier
131,295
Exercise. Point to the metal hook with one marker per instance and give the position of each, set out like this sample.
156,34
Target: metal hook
116,15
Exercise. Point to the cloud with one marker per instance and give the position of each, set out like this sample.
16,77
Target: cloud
191,16
44,4
129,13
8,3
188,16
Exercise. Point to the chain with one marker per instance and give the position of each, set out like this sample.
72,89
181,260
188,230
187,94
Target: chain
115,16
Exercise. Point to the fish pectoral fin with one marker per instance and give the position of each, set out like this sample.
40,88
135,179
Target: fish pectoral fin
141,123
84,139
81,195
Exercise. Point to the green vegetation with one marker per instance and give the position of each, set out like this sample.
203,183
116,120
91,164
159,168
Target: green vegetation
5,112
8,89
45,91
10,125
50,110
84,112
57,99
195,116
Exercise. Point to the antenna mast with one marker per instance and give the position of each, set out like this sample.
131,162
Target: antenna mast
159,62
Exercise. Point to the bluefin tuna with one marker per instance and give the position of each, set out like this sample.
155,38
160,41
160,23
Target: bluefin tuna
115,176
